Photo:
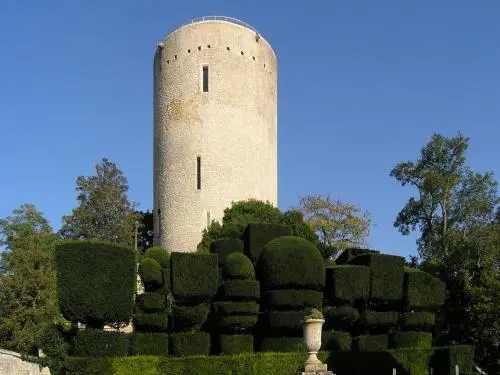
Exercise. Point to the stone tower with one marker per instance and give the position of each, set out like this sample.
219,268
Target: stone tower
215,126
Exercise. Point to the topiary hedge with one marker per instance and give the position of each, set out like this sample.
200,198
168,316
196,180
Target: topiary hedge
418,320
229,307
151,302
444,359
224,247
422,290
246,290
236,344
151,275
286,320
189,318
293,299
237,323
155,322
417,340
149,344
336,340
370,343
84,267
160,255
340,317
347,284
99,343
194,276
350,253
189,343
256,236
379,319
291,263
238,266
282,344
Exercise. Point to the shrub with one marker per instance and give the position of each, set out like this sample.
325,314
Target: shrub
188,318
256,236
190,343
151,302
247,290
291,263
386,277
167,283
347,283
194,276
351,253
336,340
236,344
422,320
444,359
226,246
377,319
228,308
84,267
286,320
156,322
416,340
150,273
423,291
341,317
293,299
99,343
238,266
282,344
149,344
160,255
370,343
237,323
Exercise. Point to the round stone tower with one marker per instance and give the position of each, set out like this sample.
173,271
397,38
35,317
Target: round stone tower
215,126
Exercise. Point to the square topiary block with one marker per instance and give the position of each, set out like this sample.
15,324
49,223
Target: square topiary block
236,344
100,343
386,277
226,246
410,339
149,344
445,359
293,299
194,276
379,319
341,318
422,290
370,343
155,322
420,320
241,290
283,344
347,283
256,236
189,343
348,254
286,320
189,318
336,341
151,302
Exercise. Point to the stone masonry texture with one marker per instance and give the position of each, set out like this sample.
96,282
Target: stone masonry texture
232,128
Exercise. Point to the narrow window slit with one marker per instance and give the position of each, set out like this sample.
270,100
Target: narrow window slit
205,78
198,172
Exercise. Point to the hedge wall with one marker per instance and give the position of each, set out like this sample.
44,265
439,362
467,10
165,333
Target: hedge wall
149,344
224,247
290,321
283,344
422,290
189,318
241,289
340,317
155,322
84,267
229,307
370,343
418,320
237,323
194,276
417,340
100,343
336,340
151,302
377,319
189,343
236,344
293,299
256,236
347,283
238,266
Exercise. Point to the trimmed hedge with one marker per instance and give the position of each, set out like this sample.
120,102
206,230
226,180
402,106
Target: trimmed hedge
224,247
286,320
422,290
189,318
247,290
291,263
386,277
341,317
256,237
236,344
228,308
370,343
189,343
151,302
167,283
156,322
160,255
444,359
84,267
348,254
149,344
418,320
293,299
237,323
238,266
98,343
336,340
194,276
283,344
151,275
377,319
347,283
416,340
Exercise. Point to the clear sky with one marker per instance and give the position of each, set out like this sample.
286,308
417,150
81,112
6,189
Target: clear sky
362,86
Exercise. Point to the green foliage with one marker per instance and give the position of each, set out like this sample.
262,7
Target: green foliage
167,283
189,343
238,266
283,344
336,340
236,344
51,340
189,318
84,267
291,262
283,299
370,343
99,343
226,246
353,252
417,340
150,273
291,320
295,221
418,320
423,291
444,359
194,276
149,344
379,319
240,214
154,322
104,211
257,236
340,317
151,302
245,290
387,275
228,308
160,255
347,283
237,323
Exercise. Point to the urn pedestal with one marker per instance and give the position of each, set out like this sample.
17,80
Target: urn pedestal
312,338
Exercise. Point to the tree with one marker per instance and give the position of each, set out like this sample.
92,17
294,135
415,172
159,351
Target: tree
27,278
104,210
339,225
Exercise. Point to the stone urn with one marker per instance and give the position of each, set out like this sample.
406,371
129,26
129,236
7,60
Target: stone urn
312,339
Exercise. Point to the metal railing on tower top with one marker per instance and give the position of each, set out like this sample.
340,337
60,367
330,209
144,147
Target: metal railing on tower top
221,18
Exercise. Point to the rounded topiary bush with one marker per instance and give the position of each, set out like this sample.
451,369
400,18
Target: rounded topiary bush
160,255
189,318
291,262
238,266
150,272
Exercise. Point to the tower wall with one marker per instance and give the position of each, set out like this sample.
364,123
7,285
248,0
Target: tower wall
232,128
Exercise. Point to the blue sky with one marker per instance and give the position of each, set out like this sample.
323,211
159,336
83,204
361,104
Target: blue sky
362,86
